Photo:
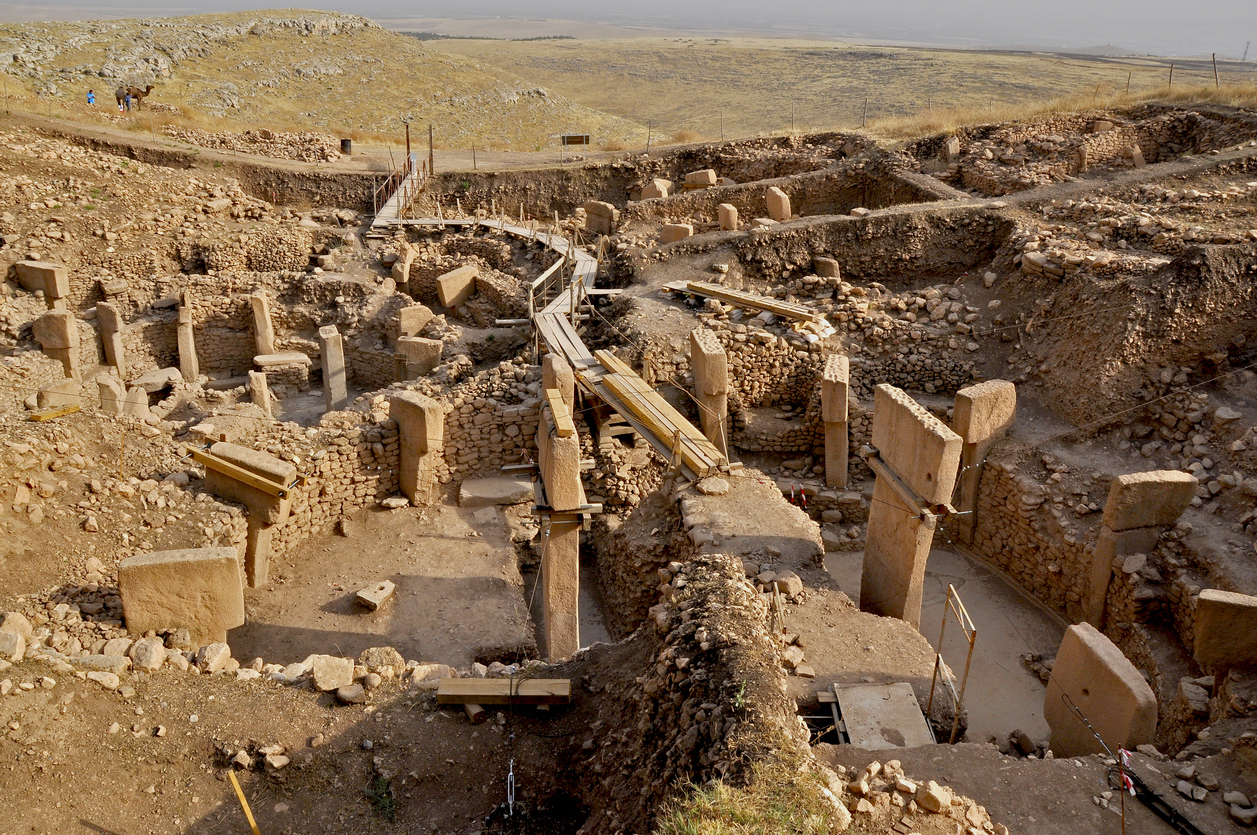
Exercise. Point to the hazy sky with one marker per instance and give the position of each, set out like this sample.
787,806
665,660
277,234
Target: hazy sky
1165,27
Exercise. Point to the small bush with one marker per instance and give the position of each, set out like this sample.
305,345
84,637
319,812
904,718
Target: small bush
779,801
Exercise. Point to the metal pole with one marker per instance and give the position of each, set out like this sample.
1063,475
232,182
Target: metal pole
864,120
431,156
473,157
1171,75
649,125
1215,70
407,143
722,124
1128,75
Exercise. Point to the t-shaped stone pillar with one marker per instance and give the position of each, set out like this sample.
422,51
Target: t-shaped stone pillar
710,365
189,366
332,354
922,456
263,330
266,510
983,413
1139,507
559,463
1105,687
58,334
52,279
421,434
557,374
835,391
110,321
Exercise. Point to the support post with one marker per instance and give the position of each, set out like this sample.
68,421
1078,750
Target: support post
109,319
260,392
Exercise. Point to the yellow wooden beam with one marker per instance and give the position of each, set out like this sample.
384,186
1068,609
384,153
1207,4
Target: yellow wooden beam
563,423
504,691
49,414
239,473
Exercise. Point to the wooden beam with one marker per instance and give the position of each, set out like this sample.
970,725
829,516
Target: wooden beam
563,423
504,691
49,414
239,473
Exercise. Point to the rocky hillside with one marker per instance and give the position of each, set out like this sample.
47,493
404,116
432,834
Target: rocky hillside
295,69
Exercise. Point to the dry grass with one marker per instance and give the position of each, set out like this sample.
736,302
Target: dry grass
741,87
946,121
780,801
358,86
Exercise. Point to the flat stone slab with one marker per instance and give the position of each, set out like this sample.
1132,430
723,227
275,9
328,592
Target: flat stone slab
1226,629
158,379
495,490
373,597
199,589
282,359
883,716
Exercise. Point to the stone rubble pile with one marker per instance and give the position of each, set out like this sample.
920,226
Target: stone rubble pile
305,146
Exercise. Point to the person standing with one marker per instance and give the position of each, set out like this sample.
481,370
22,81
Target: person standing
91,97
127,101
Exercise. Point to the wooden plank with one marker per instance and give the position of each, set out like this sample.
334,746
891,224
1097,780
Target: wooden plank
504,691
741,299
49,414
665,422
239,473
563,424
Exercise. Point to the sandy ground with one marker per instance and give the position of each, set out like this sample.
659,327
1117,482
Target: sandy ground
459,593
1002,694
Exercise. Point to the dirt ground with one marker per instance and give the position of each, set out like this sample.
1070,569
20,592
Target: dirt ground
459,598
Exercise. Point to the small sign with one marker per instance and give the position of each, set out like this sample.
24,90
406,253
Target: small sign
574,139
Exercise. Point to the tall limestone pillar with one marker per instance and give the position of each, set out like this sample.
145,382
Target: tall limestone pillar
710,365
982,415
835,393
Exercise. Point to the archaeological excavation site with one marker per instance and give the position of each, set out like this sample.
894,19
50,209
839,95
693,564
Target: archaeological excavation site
879,487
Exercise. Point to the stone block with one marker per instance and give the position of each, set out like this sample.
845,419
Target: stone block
260,392
16,623
709,363
157,380
495,490
56,330
12,647
705,177
419,356
1139,500
835,388
331,673
560,583
826,267
196,589
601,218
778,204
673,232
727,214
67,392
282,360
456,286
984,411
411,320
656,188
108,318
1226,630
1105,687
951,149
373,597
52,279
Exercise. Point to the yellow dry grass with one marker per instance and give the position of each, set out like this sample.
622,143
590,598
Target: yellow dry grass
716,87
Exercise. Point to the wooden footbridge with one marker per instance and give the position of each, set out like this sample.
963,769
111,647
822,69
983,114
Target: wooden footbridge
555,303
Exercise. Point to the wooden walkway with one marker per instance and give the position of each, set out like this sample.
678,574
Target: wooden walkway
554,300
